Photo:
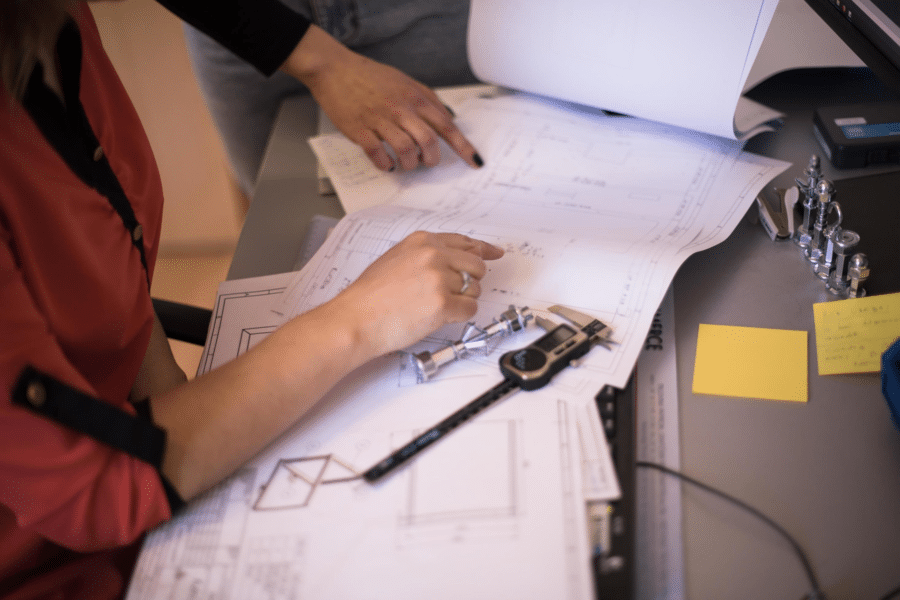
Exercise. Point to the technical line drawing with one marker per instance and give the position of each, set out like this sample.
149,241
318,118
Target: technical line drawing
472,505
250,336
272,569
294,481
500,499
197,555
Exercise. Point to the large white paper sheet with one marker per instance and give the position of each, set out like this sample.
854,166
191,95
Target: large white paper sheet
798,38
595,212
683,63
494,510
660,547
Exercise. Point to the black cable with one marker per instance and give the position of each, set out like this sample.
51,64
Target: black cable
817,593
894,593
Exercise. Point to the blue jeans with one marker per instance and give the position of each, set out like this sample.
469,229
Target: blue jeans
426,39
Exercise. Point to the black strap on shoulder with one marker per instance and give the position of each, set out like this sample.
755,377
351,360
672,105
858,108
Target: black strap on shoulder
104,422
67,128
176,502
137,436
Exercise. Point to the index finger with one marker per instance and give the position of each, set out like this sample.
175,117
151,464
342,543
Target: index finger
439,118
485,250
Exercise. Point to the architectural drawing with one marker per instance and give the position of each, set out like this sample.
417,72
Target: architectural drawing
226,342
595,212
479,503
196,555
250,336
294,481
466,503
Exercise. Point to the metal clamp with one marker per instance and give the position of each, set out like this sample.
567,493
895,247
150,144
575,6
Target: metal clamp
825,195
833,234
514,319
813,174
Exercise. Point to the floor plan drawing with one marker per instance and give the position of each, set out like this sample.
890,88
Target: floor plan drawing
595,212
294,481
299,521
226,342
196,555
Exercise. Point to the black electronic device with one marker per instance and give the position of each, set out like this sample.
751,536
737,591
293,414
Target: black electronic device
859,135
530,368
871,28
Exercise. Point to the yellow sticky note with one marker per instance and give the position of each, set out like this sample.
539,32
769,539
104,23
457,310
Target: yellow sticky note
751,362
851,335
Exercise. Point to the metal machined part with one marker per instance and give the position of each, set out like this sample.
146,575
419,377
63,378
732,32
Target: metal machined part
833,235
858,272
825,199
803,235
844,245
514,319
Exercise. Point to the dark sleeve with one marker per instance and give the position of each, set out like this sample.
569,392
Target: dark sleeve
262,32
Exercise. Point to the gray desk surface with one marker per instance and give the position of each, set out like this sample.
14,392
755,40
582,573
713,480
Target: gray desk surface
827,470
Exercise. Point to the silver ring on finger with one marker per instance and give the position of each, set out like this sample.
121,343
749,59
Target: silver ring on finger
467,280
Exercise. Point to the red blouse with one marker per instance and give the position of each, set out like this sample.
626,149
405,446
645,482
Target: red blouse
74,304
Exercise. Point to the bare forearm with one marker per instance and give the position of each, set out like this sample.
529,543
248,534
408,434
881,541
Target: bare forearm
219,421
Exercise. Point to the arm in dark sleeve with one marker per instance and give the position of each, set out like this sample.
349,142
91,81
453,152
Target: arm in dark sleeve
262,32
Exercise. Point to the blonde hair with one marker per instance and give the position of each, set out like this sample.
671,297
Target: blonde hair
27,27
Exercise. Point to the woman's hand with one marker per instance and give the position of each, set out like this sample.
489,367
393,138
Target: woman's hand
415,288
372,104
217,421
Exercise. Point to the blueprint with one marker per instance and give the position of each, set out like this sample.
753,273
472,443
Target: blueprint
594,212
495,510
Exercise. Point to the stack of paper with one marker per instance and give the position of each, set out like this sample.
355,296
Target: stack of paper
596,213
683,63
495,510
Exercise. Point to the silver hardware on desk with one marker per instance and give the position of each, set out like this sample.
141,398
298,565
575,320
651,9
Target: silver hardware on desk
820,236
833,232
514,319
824,198
808,188
844,244
859,272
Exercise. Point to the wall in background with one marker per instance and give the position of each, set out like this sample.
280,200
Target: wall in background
203,207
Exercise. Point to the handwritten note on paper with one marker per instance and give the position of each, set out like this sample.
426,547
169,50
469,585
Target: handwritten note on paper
851,335
751,362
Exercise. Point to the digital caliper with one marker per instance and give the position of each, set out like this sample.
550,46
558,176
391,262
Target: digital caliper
530,368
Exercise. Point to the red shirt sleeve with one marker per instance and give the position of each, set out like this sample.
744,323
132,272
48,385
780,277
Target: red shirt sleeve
61,484
74,305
